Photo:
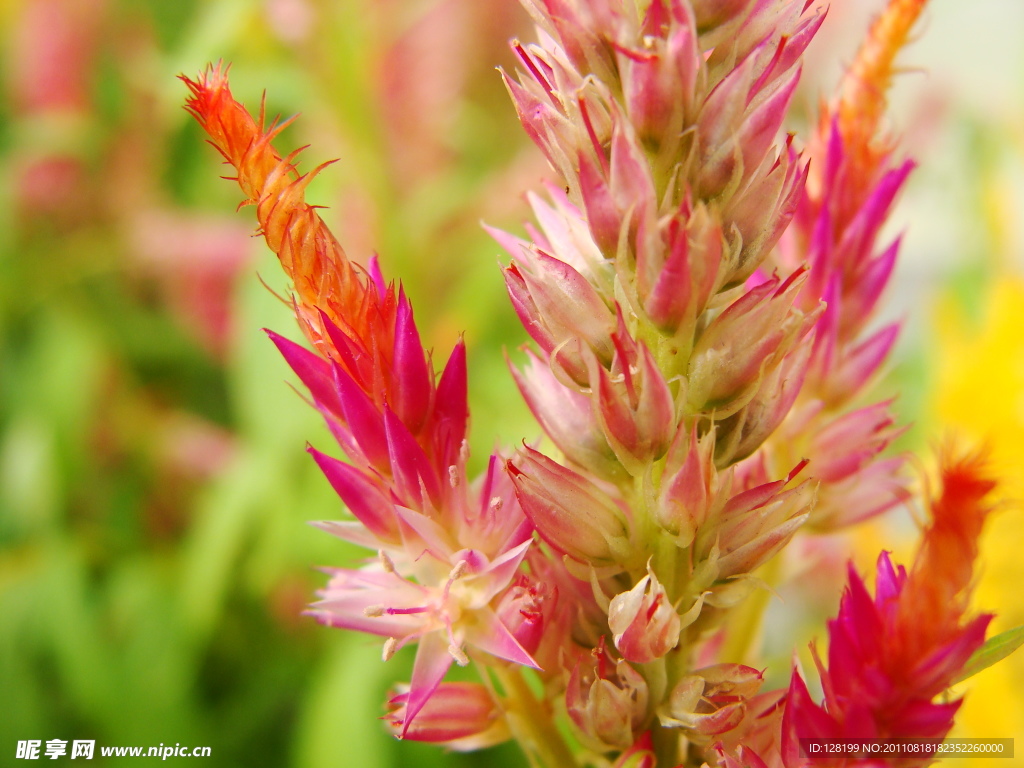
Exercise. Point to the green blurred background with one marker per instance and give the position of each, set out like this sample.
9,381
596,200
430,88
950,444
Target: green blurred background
154,490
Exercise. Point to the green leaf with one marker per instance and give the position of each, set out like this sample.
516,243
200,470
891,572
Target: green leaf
994,650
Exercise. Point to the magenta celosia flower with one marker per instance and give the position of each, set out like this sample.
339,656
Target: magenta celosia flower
854,180
890,656
449,549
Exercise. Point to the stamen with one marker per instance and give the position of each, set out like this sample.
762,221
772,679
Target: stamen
458,571
373,611
385,561
458,654
406,611
390,646
527,59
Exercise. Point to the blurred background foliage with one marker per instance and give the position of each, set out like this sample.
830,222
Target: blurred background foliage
154,557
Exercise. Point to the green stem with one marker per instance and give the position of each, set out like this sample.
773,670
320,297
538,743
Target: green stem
746,619
532,723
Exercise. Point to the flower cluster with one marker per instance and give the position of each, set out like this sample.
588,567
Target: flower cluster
698,293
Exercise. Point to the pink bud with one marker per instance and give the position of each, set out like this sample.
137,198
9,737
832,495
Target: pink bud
567,417
634,404
687,484
762,211
675,288
549,128
756,524
743,433
644,623
462,716
619,193
572,513
743,341
658,81
560,310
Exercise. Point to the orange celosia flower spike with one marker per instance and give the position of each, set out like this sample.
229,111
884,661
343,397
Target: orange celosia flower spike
940,581
323,277
862,93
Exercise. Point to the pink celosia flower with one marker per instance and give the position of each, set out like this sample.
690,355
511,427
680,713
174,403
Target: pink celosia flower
852,185
692,361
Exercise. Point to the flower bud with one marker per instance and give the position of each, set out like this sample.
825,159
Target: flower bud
761,212
607,701
462,716
686,487
741,434
658,80
743,342
572,513
678,270
711,701
644,623
561,311
755,524
633,403
567,417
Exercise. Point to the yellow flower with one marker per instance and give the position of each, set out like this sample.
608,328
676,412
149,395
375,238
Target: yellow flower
980,395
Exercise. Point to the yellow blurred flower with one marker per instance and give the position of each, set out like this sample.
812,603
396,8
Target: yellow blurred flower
979,395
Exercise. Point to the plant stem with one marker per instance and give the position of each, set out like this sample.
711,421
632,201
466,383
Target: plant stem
532,723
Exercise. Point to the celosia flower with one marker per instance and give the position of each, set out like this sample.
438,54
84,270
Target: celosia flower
852,186
890,656
448,549
691,364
